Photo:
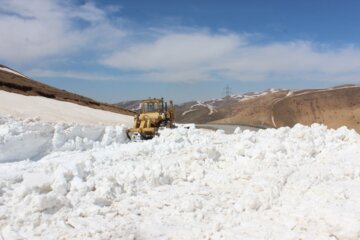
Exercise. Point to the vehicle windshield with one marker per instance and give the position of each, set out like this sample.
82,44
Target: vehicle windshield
151,107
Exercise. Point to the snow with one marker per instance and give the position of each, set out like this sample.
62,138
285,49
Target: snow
287,183
212,104
210,107
56,111
289,93
11,71
273,120
137,108
189,111
32,139
253,95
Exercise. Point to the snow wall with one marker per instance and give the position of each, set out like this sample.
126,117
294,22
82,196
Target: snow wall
32,139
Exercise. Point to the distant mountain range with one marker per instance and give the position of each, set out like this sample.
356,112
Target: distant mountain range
334,107
215,110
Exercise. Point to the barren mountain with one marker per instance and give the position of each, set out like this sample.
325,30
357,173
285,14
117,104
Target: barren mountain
221,110
254,111
253,106
334,107
133,105
13,81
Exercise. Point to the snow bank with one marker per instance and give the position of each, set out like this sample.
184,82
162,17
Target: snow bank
289,183
33,139
51,110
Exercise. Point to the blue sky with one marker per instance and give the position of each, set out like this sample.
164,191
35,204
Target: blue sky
184,50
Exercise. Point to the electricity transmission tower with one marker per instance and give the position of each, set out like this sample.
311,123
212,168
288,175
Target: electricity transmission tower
227,91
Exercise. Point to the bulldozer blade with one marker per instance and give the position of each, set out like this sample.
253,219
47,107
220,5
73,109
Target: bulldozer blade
134,136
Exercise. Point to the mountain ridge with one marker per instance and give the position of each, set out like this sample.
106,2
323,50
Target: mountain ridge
16,82
335,107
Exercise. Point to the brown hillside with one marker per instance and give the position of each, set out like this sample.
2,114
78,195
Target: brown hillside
332,107
256,111
195,112
15,83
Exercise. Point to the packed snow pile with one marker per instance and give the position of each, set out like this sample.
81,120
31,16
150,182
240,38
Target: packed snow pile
33,139
51,110
289,183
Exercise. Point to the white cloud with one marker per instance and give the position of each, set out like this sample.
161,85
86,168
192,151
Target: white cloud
48,28
205,56
174,51
182,75
41,73
46,31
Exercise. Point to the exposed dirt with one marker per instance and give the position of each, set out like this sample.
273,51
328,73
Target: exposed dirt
333,107
12,82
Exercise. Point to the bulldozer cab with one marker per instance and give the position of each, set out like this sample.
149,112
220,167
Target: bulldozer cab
153,105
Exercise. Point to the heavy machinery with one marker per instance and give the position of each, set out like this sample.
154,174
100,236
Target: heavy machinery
154,114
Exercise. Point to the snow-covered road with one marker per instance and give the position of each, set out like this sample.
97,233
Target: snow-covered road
90,183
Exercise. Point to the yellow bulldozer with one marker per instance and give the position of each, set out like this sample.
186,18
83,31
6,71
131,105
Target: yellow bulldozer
154,115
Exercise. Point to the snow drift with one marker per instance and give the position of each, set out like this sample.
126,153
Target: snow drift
289,183
32,139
